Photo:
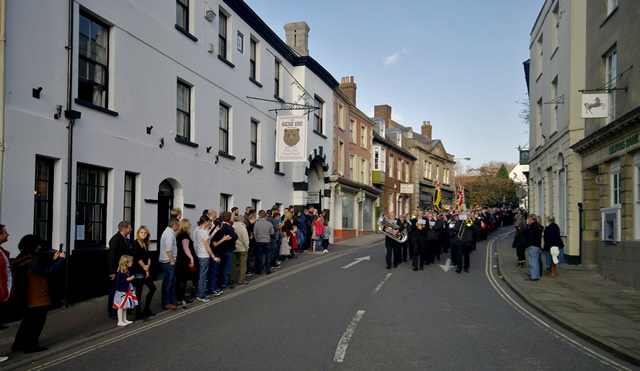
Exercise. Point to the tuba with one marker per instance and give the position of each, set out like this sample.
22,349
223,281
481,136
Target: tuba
387,229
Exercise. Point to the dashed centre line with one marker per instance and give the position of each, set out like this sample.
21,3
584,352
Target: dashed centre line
341,350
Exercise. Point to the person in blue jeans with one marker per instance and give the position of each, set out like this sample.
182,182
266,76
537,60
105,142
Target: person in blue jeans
534,239
205,256
262,232
224,244
167,259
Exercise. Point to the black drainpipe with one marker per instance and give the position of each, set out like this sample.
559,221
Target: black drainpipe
581,231
69,114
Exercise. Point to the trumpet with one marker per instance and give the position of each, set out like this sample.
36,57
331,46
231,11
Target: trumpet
387,229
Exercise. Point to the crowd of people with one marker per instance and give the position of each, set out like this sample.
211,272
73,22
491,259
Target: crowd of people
217,253
432,233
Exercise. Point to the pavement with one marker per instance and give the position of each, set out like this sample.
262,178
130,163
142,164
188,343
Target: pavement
70,327
601,311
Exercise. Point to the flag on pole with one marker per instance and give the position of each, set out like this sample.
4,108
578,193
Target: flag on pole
460,199
437,196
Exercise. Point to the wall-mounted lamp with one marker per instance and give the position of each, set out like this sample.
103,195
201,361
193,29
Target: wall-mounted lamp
209,14
58,113
242,161
161,142
36,92
208,149
149,128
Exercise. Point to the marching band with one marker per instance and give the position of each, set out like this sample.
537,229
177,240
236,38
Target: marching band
425,235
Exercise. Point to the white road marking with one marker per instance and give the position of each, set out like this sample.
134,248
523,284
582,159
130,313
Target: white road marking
358,260
447,265
341,351
159,322
538,321
382,283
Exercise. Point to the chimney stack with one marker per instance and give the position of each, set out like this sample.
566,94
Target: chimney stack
383,111
426,129
298,37
349,87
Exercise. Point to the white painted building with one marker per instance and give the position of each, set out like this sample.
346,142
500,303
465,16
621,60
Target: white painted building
168,118
556,73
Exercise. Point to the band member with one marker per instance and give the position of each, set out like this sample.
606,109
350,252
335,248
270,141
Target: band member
433,236
391,244
406,222
464,231
420,256
414,237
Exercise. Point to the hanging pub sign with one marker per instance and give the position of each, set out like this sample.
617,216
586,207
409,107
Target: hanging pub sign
595,105
291,139
524,156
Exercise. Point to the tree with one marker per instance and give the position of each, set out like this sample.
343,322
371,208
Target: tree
488,190
524,111
502,173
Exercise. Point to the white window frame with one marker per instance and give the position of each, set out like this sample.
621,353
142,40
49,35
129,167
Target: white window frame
556,27
229,128
554,109
341,157
352,130
611,71
254,56
406,172
363,170
363,136
615,186
257,140
352,167
399,168
390,172
341,116
611,6
540,56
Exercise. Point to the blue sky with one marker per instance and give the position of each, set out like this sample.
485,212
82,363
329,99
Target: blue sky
457,64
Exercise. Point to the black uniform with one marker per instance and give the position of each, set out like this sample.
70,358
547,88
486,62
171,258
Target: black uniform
423,246
463,239
393,245
433,237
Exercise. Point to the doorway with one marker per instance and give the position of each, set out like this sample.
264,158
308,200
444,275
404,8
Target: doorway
165,204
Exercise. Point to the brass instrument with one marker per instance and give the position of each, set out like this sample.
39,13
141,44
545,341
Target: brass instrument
387,229
468,222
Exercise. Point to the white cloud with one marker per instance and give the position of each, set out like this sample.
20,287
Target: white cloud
392,59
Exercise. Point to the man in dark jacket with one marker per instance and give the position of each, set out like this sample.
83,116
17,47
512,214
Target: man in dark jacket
434,230
391,244
463,240
118,246
225,246
534,238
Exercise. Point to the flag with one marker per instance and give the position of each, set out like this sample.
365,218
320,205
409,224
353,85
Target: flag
460,199
437,196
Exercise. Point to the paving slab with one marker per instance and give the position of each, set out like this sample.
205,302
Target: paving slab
601,311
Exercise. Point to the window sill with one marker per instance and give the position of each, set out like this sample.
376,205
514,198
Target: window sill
253,164
186,33
319,133
255,82
186,142
227,62
226,155
278,173
609,16
96,107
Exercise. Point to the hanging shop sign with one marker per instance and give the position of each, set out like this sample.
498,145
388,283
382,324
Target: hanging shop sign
595,105
291,139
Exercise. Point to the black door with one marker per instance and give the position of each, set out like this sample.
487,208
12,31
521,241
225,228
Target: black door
165,204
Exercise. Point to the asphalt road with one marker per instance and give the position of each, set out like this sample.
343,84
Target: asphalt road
317,315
